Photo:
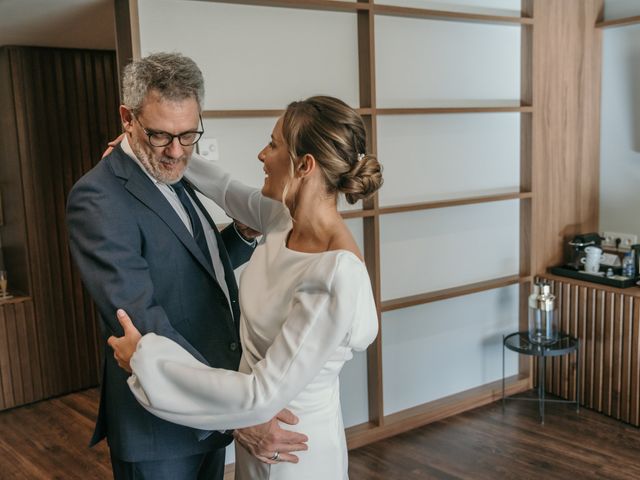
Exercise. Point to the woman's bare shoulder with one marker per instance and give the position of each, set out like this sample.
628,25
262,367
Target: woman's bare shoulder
343,240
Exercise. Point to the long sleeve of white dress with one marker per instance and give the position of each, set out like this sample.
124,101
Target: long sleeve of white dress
173,385
239,201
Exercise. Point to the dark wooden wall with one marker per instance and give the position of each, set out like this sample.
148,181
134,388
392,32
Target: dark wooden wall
59,108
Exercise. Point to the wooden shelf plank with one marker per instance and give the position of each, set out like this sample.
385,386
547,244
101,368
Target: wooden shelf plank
619,22
391,10
241,113
406,420
330,5
387,10
444,110
257,113
422,298
16,298
453,202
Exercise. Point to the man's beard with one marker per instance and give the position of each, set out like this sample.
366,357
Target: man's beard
153,167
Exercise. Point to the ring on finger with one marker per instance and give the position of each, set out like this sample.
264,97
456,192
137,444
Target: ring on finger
275,456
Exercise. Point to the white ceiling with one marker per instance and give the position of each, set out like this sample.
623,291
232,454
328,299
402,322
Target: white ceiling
58,23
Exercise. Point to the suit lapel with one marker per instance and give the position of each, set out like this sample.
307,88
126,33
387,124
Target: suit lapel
141,187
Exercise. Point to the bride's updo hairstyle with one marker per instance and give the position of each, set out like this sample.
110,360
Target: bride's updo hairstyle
334,134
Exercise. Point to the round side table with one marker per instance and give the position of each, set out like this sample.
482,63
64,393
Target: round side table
566,344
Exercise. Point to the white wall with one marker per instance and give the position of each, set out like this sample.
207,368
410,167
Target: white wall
620,122
261,57
438,349
621,8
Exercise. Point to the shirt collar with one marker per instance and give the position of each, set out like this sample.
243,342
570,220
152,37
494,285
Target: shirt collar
126,147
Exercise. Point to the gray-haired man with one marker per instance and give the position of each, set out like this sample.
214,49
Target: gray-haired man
143,242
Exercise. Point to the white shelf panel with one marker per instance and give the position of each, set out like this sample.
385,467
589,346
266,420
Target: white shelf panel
433,157
436,249
257,57
480,65
446,347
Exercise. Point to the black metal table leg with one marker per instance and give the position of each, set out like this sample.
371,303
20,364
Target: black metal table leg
577,377
541,379
503,399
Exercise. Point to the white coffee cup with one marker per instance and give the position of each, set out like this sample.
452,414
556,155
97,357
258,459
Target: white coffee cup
592,260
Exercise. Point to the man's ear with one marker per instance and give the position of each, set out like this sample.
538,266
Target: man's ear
306,166
127,118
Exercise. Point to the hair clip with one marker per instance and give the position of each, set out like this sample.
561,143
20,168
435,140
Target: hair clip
360,156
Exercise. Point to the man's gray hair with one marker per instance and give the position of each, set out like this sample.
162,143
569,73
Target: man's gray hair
174,76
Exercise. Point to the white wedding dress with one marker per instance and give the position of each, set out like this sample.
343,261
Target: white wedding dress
302,315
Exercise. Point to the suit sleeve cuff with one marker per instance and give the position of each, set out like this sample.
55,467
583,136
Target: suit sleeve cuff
251,243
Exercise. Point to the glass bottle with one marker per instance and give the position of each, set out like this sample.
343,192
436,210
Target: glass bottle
543,324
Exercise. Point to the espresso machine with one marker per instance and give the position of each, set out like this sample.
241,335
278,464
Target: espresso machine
577,245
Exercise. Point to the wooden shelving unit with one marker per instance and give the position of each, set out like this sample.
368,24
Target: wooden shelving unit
619,22
375,111
435,296
453,202
380,425
428,14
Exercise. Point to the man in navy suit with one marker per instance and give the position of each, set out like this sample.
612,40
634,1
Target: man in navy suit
143,242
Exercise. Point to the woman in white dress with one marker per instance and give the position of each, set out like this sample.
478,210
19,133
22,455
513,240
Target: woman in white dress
305,296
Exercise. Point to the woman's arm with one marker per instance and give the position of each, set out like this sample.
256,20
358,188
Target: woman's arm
239,201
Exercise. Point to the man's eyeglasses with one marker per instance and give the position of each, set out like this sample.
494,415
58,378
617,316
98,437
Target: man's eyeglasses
162,139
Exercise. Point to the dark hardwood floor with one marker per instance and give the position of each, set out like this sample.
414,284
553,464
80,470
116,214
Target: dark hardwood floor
48,440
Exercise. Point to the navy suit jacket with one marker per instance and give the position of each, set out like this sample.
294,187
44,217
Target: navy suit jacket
135,253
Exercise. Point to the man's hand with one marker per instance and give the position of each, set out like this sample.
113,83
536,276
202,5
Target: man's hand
124,347
248,233
113,143
264,440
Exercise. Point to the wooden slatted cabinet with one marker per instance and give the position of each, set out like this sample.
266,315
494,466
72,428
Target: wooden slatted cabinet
606,320
20,372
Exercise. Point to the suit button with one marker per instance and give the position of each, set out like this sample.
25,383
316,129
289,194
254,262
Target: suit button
233,346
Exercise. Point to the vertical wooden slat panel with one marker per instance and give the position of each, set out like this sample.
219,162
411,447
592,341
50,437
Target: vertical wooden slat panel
607,352
582,332
34,351
86,158
22,360
635,371
79,353
625,367
575,302
65,91
371,225
57,113
617,321
598,328
590,347
6,382
565,327
557,361
14,355
526,250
